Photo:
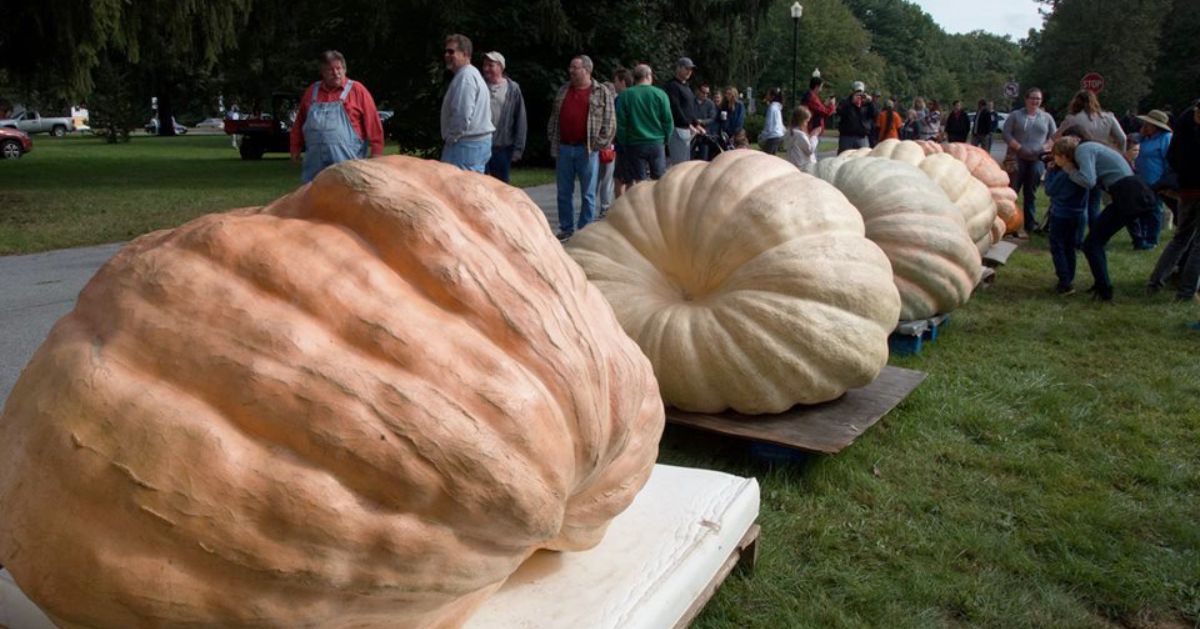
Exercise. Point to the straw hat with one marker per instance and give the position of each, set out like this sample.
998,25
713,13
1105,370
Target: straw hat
1157,118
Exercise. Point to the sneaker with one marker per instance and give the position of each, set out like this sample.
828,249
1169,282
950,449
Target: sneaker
1194,326
564,236
1064,291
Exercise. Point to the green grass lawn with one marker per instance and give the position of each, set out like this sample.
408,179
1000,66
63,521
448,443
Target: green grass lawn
1046,474
79,191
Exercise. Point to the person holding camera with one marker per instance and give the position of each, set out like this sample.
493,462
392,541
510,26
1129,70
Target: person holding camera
1028,132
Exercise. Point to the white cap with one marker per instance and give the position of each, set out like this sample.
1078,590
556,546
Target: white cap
494,56
858,86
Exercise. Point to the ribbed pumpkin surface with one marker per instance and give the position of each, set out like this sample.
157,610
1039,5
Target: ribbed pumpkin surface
968,193
747,283
936,264
984,168
363,405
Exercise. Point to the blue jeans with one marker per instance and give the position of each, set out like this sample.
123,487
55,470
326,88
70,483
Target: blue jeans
1029,176
500,165
468,154
1063,234
576,162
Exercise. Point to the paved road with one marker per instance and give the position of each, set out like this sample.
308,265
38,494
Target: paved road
36,290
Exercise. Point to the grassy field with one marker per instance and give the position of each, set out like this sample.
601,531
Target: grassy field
1046,474
78,191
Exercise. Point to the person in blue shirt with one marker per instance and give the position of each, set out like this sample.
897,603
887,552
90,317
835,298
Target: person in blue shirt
1151,164
1090,164
1068,211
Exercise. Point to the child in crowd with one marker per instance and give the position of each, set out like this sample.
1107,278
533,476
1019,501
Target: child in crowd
1068,214
800,146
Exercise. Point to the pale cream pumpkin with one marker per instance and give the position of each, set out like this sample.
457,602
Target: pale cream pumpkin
749,284
984,168
968,193
936,264
907,151
998,229
363,405
972,198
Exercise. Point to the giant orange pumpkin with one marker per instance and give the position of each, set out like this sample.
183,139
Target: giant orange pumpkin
363,405
984,168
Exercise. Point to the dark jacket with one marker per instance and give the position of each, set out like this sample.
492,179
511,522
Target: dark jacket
734,120
985,122
958,126
1184,153
855,121
683,103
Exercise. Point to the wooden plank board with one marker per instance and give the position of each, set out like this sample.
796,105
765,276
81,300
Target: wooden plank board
998,254
742,558
826,428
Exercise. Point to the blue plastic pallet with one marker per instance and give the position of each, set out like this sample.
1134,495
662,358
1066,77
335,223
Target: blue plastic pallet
910,336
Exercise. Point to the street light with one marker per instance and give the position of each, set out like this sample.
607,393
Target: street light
796,11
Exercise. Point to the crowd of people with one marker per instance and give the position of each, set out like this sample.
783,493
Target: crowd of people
607,135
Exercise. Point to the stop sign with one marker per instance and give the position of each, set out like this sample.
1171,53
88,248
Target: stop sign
1092,82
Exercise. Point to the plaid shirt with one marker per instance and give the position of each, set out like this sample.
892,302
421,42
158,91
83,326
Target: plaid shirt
601,121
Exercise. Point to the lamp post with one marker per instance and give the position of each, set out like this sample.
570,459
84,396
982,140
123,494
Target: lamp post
796,11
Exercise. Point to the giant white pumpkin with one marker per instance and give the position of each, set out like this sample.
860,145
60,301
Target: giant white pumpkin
985,168
936,264
361,406
968,193
970,196
747,283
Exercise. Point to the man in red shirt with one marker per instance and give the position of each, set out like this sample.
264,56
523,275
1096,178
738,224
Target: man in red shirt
583,120
337,120
821,110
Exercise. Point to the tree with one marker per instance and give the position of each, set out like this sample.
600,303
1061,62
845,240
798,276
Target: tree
55,47
1117,39
1178,68
982,63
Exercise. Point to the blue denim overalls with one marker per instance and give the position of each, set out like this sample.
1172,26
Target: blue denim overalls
329,137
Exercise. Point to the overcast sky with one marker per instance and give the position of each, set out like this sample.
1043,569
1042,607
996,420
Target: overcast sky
1002,17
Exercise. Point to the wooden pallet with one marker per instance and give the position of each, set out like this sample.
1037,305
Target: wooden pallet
743,558
910,337
826,428
998,254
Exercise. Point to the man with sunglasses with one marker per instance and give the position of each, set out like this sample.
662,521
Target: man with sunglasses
466,110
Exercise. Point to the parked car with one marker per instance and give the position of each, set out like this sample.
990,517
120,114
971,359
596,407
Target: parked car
152,127
32,122
211,123
14,143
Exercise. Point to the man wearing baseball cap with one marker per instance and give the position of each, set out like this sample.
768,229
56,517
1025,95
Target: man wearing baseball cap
683,112
508,116
855,117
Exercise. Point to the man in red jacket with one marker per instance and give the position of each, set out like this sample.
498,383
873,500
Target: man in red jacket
337,120
820,109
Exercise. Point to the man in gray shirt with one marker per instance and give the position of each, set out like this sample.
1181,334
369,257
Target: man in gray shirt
508,116
466,110
1028,132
